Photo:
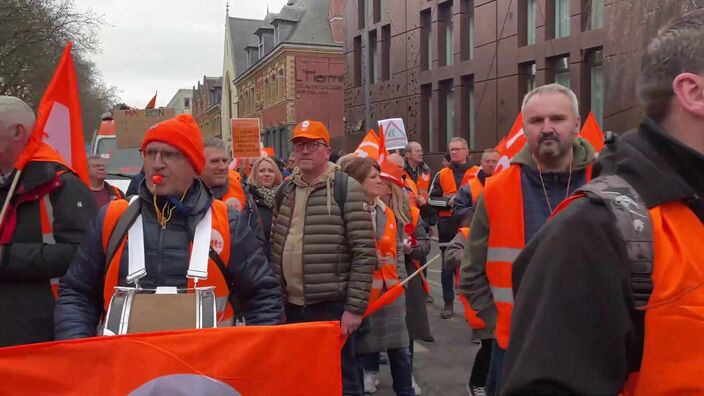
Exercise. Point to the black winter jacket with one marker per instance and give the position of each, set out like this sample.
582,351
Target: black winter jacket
27,263
167,253
574,329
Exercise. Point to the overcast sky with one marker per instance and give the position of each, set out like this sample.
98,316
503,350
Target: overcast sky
164,45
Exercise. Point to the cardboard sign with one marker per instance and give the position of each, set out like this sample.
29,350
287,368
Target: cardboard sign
131,125
245,137
394,133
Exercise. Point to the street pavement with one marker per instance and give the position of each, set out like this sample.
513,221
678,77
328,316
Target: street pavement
442,367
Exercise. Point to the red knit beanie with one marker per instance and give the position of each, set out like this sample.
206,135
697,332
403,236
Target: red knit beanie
183,133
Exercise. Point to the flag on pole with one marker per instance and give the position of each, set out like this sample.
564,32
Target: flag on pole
58,121
301,359
152,103
369,147
511,144
593,133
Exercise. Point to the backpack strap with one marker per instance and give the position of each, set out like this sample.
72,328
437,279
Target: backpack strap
340,189
635,227
280,195
123,225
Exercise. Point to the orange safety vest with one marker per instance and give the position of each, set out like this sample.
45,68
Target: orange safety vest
46,216
234,197
475,187
386,272
423,184
473,318
449,188
503,200
220,242
675,310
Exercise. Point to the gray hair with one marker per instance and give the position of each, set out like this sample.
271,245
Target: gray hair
677,48
409,145
13,111
214,142
552,88
459,140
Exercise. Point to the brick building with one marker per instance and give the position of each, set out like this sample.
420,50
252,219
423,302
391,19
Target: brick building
461,67
288,67
206,105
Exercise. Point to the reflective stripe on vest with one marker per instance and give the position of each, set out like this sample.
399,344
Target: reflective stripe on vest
503,200
46,215
446,178
675,310
386,273
219,241
475,187
234,196
473,318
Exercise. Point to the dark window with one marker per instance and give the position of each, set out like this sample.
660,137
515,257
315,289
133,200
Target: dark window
357,74
361,14
386,52
467,30
445,34
377,11
426,47
447,111
374,72
467,110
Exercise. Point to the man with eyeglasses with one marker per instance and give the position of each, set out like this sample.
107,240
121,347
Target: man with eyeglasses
324,252
445,185
103,192
44,223
171,202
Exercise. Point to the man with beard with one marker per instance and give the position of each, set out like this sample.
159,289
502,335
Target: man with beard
516,203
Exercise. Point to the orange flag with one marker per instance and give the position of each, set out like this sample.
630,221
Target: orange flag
369,147
152,103
383,153
59,120
385,299
300,359
511,144
593,133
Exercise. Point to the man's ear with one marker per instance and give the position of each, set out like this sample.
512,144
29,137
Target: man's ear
19,133
689,92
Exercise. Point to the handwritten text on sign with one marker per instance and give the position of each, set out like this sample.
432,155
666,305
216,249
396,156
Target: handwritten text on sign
245,137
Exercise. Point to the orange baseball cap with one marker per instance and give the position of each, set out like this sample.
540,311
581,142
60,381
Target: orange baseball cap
311,130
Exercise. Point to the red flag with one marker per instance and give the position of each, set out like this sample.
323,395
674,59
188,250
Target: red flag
511,144
301,359
383,153
593,133
385,299
152,103
369,147
59,120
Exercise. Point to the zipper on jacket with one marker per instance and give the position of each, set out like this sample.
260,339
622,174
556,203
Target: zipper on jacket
162,231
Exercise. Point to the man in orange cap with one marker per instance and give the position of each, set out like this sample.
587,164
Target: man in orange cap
171,204
324,252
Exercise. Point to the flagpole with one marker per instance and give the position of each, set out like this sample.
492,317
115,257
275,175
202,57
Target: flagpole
413,275
6,204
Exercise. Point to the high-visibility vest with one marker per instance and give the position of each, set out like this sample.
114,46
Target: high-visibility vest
675,310
220,242
446,177
386,272
475,187
423,184
473,318
46,216
234,196
503,200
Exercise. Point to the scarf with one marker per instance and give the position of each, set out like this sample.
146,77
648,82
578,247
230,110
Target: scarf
268,194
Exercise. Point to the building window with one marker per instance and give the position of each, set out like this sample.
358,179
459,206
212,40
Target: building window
267,99
447,111
261,47
386,52
596,84
467,30
274,88
357,55
282,85
527,78
560,68
428,135
445,43
596,14
530,22
373,58
276,33
562,18
426,47
377,11
186,102
361,14
467,112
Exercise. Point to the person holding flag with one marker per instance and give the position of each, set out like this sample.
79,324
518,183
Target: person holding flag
385,330
516,203
46,211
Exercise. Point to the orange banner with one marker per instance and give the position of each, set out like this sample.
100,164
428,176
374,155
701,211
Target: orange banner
301,359
593,133
245,137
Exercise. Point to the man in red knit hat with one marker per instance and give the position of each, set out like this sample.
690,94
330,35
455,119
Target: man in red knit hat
177,212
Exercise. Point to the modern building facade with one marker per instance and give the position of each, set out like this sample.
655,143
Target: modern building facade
206,105
286,68
461,67
181,102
